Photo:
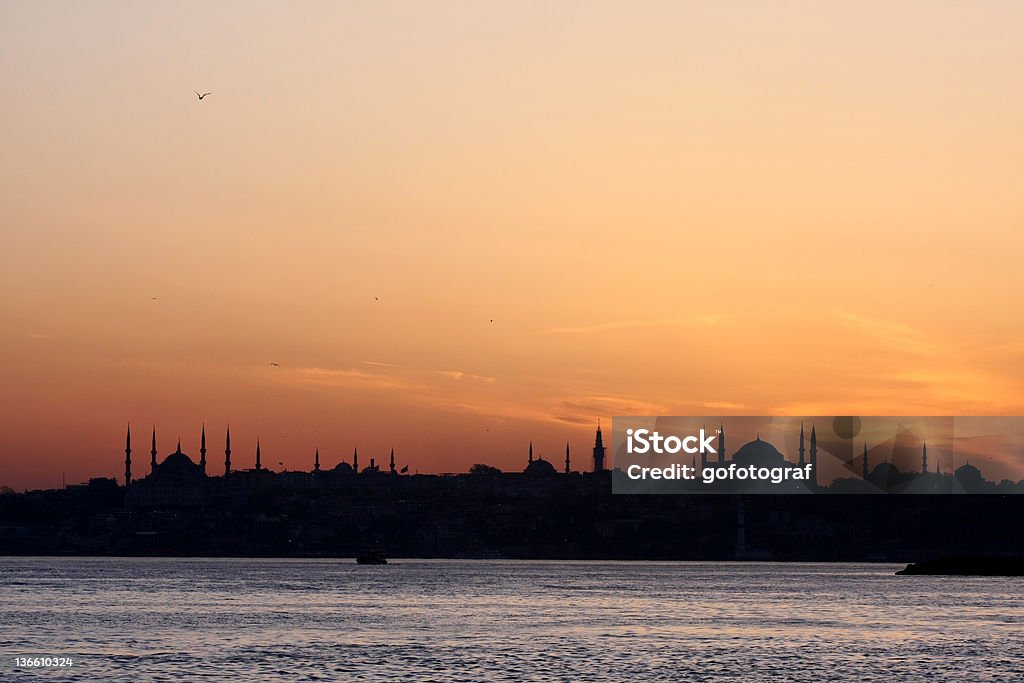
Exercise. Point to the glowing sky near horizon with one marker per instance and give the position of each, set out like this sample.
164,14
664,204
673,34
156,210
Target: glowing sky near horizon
665,208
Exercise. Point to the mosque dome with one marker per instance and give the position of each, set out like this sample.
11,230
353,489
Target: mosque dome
760,453
177,460
968,473
885,475
540,467
178,465
343,468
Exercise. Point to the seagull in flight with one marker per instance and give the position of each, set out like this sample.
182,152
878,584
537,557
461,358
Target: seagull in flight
203,95
276,365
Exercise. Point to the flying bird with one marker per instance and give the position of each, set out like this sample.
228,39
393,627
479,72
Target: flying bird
376,299
203,95
276,365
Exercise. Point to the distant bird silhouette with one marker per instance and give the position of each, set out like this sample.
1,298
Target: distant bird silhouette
276,365
203,95
376,299
492,320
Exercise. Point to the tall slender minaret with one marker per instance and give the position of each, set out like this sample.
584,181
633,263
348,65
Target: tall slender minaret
202,451
152,453
703,456
392,467
802,460
814,457
864,462
567,457
316,461
721,444
924,457
598,450
531,454
258,466
128,459
355,460
227,453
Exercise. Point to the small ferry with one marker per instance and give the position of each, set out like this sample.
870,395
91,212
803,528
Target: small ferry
371,556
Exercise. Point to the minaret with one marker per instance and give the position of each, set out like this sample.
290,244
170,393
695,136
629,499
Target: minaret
258,466
703,459
152,453
202,451
128,459
392,468
864,462
814,457
355,460
227,453
316,461
598,450
721,444
924,457
802,461
531,454
567,457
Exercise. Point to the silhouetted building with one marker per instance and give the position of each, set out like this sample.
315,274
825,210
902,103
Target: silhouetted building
538,467
969,479
599,450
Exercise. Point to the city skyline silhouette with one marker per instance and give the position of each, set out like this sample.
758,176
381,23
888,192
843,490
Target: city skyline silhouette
316,251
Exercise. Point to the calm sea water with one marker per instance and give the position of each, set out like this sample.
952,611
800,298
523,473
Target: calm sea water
310,620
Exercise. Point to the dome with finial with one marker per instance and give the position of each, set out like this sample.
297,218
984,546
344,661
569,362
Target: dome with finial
968,472
759,453
885,475
178,465
540,466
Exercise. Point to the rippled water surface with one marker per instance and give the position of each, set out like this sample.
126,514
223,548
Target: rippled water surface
187,619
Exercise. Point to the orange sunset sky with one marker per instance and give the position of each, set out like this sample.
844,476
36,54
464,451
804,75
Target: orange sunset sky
664,207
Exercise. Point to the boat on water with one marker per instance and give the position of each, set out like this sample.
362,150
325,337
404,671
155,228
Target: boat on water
371,556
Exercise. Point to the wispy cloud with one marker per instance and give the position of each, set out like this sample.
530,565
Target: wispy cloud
896,336
589,407
459,375
724,405
705,319
347,377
